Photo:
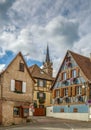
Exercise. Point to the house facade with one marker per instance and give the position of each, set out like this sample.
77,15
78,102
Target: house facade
16,90
71,91
43,77
41,91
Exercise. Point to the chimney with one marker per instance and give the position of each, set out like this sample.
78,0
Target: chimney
90,57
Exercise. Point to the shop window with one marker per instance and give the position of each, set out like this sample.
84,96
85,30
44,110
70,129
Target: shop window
21,67
75,110
16,111
25,112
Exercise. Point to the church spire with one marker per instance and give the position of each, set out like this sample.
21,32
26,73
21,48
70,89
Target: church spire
48,65
47,54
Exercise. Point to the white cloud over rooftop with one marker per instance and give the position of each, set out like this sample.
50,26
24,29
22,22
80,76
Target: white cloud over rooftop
32,24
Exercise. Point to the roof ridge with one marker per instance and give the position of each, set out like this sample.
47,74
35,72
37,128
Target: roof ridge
78,54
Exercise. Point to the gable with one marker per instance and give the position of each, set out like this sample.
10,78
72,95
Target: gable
68,71
14,66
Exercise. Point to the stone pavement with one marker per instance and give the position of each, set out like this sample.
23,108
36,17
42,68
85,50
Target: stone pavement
48,123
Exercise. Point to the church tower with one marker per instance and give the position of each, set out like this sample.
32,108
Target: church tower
48,65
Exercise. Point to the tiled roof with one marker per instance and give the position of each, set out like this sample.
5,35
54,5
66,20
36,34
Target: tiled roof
84,63
37,72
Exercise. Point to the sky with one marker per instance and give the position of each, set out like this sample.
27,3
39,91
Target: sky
30,25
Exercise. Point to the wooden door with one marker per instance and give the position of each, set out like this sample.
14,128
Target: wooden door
39,112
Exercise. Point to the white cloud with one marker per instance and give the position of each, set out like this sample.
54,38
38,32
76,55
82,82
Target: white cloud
84,45
2,67
34,23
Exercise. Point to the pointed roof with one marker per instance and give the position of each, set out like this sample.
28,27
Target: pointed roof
37,72
19,54
83,62
47,55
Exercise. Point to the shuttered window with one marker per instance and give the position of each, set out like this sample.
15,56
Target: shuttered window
18,86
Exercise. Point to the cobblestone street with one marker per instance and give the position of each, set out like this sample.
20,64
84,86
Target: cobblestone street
45,123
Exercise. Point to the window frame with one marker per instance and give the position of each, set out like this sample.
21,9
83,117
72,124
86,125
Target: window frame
18,91
17,115
79,90
57,93
21,67
65,91
64,76
74,73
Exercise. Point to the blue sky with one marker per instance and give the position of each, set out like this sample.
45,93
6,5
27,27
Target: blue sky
29,25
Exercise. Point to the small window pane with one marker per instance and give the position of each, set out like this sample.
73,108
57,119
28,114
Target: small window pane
16,111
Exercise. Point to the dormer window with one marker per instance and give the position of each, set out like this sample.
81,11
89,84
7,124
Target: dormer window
21,67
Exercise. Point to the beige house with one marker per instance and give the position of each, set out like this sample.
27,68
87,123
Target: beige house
16,89
41,93
44,79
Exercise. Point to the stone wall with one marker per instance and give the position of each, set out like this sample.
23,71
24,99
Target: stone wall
14,73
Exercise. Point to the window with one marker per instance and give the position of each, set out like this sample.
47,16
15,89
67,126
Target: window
25,112
65,91
41,95
18,86
40,83
74,73
57,93
64,76
16,111
75,110
21,67
79,90
41,106
62,110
